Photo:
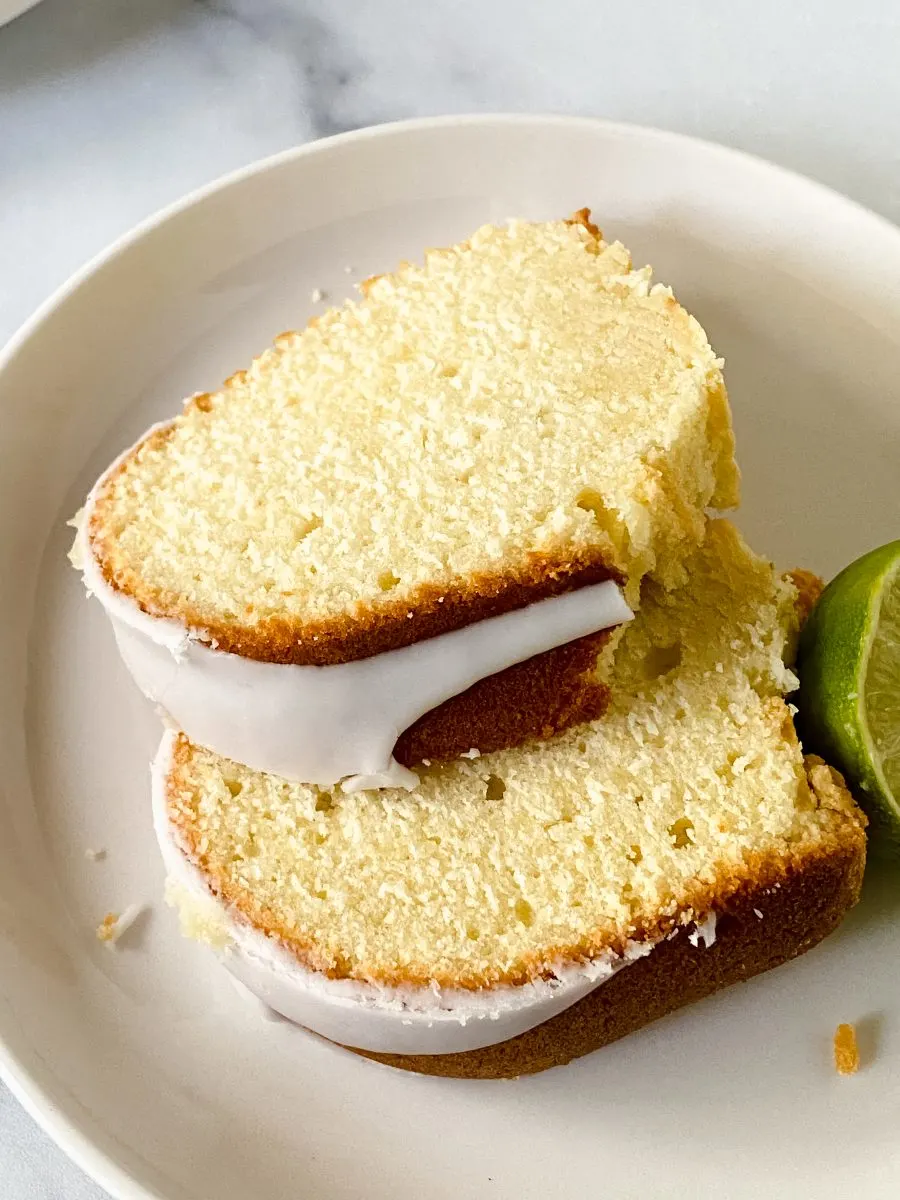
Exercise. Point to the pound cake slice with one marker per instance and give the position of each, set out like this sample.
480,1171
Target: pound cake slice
522,416
521,908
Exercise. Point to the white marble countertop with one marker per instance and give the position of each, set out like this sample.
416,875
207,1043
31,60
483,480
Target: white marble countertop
111,108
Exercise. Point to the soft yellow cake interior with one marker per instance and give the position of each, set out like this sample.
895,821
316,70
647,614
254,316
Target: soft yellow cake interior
692,786
524,393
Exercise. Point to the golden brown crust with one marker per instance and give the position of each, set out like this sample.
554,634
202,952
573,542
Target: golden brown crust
424,613
544,695
583,217
428,611
809,589
758,928
533,699
730,881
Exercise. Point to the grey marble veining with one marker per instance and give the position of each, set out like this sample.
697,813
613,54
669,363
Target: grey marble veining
111,108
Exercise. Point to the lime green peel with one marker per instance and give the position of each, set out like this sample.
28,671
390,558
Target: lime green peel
849,666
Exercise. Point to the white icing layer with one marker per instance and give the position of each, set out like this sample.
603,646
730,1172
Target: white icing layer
368,1016
326,724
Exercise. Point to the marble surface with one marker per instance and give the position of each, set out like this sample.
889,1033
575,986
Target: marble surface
111,108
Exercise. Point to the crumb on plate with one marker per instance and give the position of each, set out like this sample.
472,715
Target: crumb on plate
114,925
846,1051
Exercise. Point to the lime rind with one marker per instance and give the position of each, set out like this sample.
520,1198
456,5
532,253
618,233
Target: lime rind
849,699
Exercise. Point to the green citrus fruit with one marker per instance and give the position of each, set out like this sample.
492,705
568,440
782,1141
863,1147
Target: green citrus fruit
849,666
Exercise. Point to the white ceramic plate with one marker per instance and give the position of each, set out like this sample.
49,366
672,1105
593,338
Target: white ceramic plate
9,9
145,1064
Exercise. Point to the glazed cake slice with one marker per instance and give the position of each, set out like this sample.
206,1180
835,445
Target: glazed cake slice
524,907
521,418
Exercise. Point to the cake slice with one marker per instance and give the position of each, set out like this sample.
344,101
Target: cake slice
522,418
521,908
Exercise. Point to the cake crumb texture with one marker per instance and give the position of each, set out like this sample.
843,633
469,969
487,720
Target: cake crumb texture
522,414
692,790
807,906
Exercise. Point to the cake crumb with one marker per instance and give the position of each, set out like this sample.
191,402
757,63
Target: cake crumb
846,1051
827,784
114,925
317,295
758,913
95,855
106,930
348,270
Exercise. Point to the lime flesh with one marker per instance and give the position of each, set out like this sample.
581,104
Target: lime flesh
881,694
849,665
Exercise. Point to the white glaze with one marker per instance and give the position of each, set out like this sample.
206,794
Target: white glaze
368,1016
704,931
326,724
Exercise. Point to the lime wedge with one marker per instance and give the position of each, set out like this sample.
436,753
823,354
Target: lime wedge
849,666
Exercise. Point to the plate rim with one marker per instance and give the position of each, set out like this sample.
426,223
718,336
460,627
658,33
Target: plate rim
621,129
24,1083
10,10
